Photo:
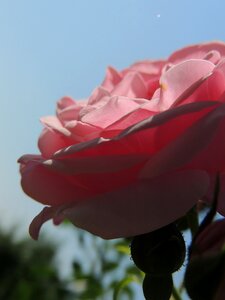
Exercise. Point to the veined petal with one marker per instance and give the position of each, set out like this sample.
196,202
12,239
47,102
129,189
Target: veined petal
140,208
186,147
99,164
132,85
180,78
113,110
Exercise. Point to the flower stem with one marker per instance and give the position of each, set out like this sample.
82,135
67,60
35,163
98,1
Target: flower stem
175,294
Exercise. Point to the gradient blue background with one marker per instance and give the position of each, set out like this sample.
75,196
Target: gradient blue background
51,48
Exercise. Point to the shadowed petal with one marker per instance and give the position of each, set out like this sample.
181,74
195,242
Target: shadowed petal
142,207
195,139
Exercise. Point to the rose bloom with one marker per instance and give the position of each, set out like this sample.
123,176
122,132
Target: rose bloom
139,152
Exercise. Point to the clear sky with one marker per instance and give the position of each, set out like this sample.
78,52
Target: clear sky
51,48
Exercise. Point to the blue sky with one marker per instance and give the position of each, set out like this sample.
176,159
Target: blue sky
53,48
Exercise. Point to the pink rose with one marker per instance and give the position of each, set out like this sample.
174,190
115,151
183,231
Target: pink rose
139,152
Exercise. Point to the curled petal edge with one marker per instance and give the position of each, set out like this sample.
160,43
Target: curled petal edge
45,215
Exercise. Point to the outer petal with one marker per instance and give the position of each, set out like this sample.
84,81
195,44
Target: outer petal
140,208
95,165
211,157
49,187
197,51
147,68
56,182
46,214
203,140
51,141
53,137
140,143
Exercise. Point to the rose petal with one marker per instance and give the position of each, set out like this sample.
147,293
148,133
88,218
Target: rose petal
50,182
65,102
145,111
81,131
99,164
197,51
68,109
132,85
209,88
213,56
112,79
113,110
216,82
186,114
98,97
195,139
49,187
45,215
139,137
140,208
51,141
180,78
147,68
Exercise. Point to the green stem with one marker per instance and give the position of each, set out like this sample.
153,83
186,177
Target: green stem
181,287
192,218
175,294
123,283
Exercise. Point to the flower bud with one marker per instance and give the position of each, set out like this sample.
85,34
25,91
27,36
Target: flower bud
159,252
205,274
203,277
157,287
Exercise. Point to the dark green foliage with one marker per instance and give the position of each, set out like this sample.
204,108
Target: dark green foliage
27,271
108,270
